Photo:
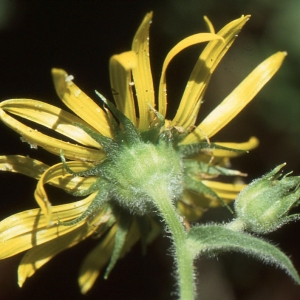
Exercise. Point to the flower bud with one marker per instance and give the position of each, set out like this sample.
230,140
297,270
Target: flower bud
263,206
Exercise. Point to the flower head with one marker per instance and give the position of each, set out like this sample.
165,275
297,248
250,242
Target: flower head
127,154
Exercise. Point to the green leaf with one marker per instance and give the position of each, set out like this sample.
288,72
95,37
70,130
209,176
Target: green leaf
124,223
193,149
200,188
212,239
149,230
153,133
144,228
198,168
132,134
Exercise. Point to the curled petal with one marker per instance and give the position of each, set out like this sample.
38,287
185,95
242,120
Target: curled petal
30,228
56,172
185,43
209,24
50,116
35,169
50,144
81,104
40,255
237,99
201,74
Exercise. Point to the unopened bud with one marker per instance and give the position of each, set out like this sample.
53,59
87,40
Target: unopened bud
263,206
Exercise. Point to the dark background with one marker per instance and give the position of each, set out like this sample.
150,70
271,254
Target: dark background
80,36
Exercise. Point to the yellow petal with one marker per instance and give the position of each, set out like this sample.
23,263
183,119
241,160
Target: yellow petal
23,165
201,74
189,207
132,237
99,256
187,42
50,144
40,255
35,169
81,104
54,172
251,144
191,213
237,99
51,117
226,191
120,67
142,75
95,261
29,228
209,24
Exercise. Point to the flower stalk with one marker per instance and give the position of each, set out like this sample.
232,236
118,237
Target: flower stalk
183,258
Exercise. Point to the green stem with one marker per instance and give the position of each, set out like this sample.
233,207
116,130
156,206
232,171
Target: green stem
184,260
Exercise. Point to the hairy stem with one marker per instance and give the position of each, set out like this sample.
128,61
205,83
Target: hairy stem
184,261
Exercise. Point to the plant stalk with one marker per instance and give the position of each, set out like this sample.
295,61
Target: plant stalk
183,258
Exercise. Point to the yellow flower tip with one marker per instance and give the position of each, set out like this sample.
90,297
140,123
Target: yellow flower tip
21,281
59,75
253,143
128,60
209,24
87,282
58,72
280,56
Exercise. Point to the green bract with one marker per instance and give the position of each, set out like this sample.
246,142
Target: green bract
139,165
263,206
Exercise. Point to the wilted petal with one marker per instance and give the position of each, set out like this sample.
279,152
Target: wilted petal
51,117
35,169
81,104
55,172
40,255
185,43
50,144
30,228
22,165
201,74
237,99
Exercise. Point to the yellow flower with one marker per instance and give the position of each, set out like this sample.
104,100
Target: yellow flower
101,140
